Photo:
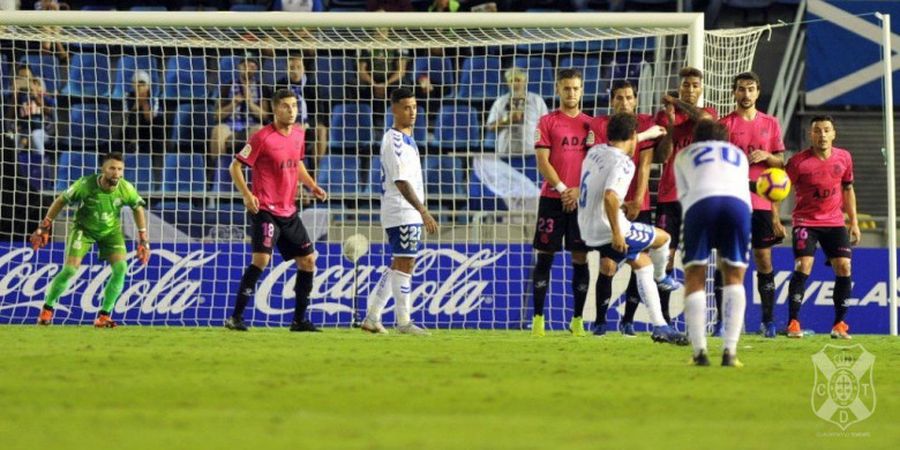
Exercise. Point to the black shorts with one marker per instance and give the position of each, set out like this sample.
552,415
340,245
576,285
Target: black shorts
644,217
287,233
762,233
668,217
553,224
835,241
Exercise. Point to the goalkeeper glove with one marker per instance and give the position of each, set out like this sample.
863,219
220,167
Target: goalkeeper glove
143,249
41,235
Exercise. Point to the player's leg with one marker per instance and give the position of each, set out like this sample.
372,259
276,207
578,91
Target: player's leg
731,236
219,137
376,302
294,244
263,235
632,297
660,254
112,249
404,241
78,244
581,275
548,237
804,243
763,238
836,245
668,218
643,270
603,292
696,253
734,305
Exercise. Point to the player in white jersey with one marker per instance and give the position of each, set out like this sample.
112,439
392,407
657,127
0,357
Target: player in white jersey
711,178
403,214
606,174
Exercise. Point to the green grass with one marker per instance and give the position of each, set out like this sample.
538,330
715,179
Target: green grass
163,388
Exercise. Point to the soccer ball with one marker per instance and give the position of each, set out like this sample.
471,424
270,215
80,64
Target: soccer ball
355,247
773,184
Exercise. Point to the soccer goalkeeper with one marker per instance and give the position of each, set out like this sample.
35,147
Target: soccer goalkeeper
100,198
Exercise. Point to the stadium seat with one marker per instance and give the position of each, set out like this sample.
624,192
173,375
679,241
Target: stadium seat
374,186
596,78
6,74
480,78
457,128
444,175
88,75
249,8
184,173
184,215
138,171
541,79
89,125
332,79
227,70
420,128
73,165
351,128
275,70
339,174
190,127
186,77
32,166
44,66
123,82
627,66
438,69
526,164
149,8
221,177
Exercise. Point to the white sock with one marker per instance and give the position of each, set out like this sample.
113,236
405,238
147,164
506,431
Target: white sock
379,297
401,286
695,317
660,258
649,294
734,301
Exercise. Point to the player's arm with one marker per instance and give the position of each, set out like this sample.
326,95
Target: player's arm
140,220
611,208
396,75
633,207
259,108
236,170
849,197
227,106
307,180
664,146
693,112
406,190
568,194
770,159
777,227
41,235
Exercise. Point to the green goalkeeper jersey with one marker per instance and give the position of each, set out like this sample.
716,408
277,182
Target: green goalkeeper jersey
99,210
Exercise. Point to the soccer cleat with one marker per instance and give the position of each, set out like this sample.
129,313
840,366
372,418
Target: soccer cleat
666,334
600,330
576,327
668,284
794,330
537,326
104,321
840,331
46,317
304,326
729,360
717,329
700,359
373,327
627,329
235,324
769,330
412,329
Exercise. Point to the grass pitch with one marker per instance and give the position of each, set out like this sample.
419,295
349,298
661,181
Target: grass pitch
165,388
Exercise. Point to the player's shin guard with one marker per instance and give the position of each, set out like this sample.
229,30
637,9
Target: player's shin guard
401,286
302,288
765,285
695,319
379,297
734,302
580,279
246,290
660,258
649,294
114,287
842,291
59,285
602,293
717,294
632,300
796,289
540,277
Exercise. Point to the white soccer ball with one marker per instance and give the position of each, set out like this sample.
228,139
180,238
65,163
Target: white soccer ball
355,247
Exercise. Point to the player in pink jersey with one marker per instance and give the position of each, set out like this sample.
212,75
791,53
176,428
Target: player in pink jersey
759,136
275,157
637,201
679,117
823,185
561,142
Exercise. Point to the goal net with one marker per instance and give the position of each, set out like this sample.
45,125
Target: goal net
179,94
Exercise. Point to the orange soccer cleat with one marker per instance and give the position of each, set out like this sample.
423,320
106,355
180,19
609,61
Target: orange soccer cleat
46,317
103,321
794,330
841,331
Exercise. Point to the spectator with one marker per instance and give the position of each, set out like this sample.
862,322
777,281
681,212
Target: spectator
389,5
304,87
514,116
379,71
298,5
444,6
31,109
144,119
241,109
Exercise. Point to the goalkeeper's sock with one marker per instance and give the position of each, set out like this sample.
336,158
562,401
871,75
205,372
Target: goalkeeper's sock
735,302
59,285
302,288
540,278
650,295
796,289
379,297
246,290
695,319
114,286
580,279
401,286
602,292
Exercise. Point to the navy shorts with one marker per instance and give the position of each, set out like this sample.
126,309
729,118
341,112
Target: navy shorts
721,223
639,238
405,239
